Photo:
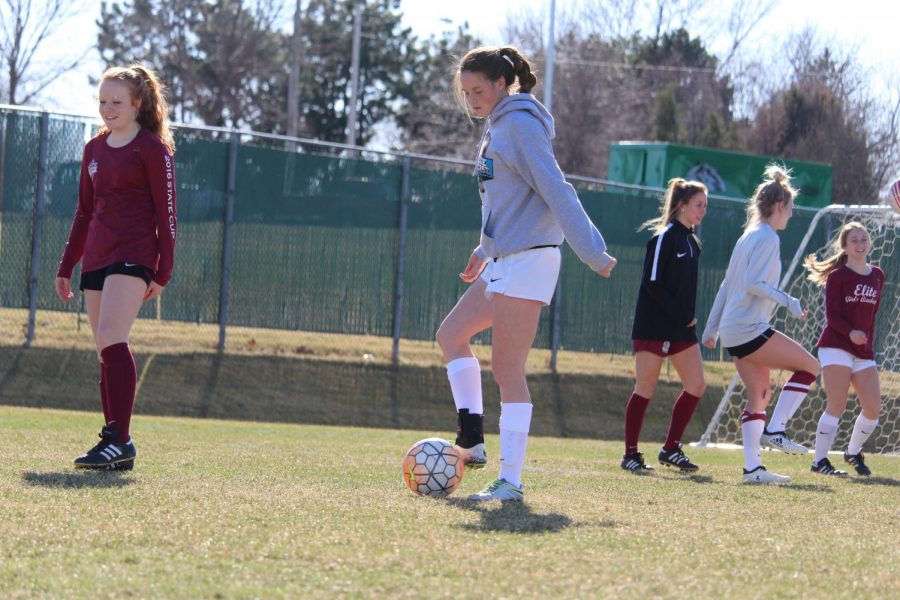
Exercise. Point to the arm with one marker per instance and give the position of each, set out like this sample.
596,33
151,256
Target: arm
763,255
160,168
711,332
656,261
74,249
537,166
833,305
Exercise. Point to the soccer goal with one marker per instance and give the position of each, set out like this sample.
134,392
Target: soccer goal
884,225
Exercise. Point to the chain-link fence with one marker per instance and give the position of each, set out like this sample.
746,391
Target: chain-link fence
288,234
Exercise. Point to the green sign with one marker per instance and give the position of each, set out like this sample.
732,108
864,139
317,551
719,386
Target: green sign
729,174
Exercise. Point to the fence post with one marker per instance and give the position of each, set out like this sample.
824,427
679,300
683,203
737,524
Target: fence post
555,325
226,238
37,230
401,259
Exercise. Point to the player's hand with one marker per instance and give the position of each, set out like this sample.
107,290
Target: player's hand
153,290
693,323
796,310
858,337
473,268
710,343
64,289
606,271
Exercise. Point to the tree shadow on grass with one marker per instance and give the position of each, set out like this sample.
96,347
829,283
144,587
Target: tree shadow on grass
77,479
890,481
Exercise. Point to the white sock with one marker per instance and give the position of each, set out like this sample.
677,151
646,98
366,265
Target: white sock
825,434
465,384
862,429
788,402
515,422
751,431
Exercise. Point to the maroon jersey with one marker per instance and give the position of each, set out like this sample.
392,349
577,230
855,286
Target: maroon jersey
851,302
126,208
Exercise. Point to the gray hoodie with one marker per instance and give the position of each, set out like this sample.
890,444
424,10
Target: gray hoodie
525,200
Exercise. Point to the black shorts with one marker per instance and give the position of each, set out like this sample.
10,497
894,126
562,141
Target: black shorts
751,346
93,280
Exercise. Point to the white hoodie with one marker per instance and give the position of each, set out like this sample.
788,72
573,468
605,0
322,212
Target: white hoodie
748,295
525,200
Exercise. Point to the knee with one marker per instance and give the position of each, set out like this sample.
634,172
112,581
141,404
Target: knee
446,336
507,375
695,388
107,337
813,367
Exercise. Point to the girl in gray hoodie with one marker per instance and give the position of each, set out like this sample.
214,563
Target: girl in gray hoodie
528,210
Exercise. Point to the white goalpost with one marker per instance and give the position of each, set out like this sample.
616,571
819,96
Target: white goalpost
883,224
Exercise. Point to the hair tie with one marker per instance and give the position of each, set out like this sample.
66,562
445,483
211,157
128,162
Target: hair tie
509,60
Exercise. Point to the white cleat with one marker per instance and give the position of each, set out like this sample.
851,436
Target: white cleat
501,490
780,441
759,475
474,457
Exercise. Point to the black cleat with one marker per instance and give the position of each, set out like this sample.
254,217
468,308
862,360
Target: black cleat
634,462
824,467
676,458
858,462
108,455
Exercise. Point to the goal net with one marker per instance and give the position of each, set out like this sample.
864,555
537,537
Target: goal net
883,225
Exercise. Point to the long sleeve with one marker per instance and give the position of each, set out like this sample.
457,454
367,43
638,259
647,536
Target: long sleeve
715,314
758,269
834,316
74,249
161,175
537,166
657,259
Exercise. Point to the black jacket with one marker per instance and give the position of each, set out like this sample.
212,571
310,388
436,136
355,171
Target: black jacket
668,294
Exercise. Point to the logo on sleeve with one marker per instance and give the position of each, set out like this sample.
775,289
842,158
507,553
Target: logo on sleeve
92,169
484,168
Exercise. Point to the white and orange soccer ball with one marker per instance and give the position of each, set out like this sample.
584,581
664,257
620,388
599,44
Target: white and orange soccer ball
433,467
894,196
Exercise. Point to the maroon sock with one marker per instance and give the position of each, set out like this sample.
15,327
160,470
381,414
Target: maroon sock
121,378
682,412
104,396
634,420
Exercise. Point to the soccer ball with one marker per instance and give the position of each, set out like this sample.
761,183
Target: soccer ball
432,467
895,196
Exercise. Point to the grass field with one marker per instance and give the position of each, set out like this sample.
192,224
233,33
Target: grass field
225,509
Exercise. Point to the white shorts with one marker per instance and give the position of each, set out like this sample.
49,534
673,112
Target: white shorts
836,356
530,274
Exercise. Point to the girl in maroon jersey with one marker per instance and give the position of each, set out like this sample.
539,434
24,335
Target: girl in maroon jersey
124,231
852,296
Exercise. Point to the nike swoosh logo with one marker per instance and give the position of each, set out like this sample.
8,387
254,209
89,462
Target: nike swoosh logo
130,264
680,254
498,279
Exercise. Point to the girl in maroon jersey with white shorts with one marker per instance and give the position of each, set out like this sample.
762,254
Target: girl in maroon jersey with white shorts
124,232
852,297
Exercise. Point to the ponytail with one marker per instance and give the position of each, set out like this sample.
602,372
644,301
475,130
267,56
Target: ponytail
819,270
145,86
678,193
506,63
775,189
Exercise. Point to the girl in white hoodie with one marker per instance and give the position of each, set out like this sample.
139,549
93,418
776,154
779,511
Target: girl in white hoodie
528,210
740,315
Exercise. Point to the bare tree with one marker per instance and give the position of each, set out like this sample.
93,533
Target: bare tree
25,27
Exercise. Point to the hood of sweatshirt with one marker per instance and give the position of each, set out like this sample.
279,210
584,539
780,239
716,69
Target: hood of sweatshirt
526,102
